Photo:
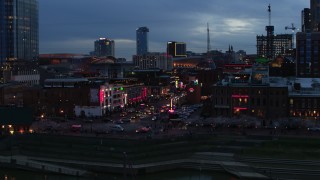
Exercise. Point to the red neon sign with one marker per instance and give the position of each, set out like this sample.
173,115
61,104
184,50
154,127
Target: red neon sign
101,96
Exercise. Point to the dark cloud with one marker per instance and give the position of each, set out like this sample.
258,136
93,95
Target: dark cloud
73,25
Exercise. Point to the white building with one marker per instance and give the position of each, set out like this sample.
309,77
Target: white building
153,61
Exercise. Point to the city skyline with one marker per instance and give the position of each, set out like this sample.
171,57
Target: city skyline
73,30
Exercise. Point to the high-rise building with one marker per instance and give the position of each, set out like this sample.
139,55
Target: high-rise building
104,47
177,49
308,58
142,40
281,43
269,42
306,20
19,30
315,15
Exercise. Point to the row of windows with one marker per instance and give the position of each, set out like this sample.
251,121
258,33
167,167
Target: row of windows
253,102
252,92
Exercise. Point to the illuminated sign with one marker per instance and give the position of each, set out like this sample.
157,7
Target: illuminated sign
101,96
196,82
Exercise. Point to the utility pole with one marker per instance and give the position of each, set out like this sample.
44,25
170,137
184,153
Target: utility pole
208,39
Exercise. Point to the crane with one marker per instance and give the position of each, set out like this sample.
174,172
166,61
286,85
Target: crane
293,28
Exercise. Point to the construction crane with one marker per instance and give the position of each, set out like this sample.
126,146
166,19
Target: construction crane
293,28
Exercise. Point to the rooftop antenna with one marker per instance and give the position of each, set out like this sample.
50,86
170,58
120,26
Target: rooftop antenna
208,39
269,10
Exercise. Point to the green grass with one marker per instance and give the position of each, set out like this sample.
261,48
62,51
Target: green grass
290,148
111,150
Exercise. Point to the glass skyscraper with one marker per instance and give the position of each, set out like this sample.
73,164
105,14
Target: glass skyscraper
19,30
315,14
142,40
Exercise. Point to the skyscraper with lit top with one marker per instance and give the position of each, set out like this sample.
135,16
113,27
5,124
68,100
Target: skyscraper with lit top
104,47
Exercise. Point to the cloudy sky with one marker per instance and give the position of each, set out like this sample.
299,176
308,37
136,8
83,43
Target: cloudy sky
73,25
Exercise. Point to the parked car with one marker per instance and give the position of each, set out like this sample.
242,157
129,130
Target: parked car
125,120
76,127
316,129
123,114
107,120
143,129
116,128
118,121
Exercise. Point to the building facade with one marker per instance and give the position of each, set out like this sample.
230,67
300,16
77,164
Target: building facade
308,46
142,40
306,20
315,15
304,102
250,92
104,47
177,49
153,61
19,30
280,44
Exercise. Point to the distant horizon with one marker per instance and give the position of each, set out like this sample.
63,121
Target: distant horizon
74,30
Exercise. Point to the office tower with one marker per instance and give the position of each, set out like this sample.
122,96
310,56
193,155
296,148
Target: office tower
176,49
19,30
306,20
104,47
142,40
315,15
281,43
308,58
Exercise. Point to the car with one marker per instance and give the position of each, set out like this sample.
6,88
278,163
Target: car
123,114
118,121
154,118
144,129
125,120
116,128
314,129
107,120
133,118
76,127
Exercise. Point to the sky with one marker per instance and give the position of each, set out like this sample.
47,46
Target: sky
72,26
